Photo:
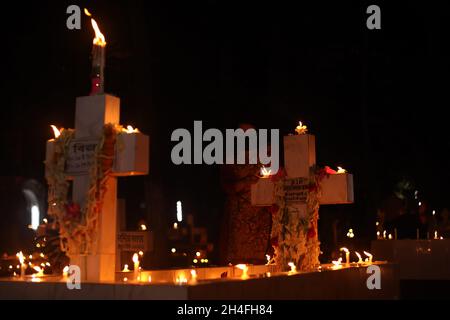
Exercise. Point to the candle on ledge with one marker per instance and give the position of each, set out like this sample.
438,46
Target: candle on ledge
66,272
193,276
347,255
136,267
360,260
337,264
244,269
22,264
301,129
293,268
369,256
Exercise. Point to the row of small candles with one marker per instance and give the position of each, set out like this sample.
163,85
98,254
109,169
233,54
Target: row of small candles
387,236
129,129
337,264
23,266
265,173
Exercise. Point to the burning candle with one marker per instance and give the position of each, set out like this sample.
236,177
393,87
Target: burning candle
175,226
65,272
369,256
341,171
347,255
181,279
244,269
301,129
125,268
436,235
40,272
337,264
136,267
193,276
360,260
265,173
293,268
22,264
98,58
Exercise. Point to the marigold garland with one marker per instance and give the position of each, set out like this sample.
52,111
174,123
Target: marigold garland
293,238
77,225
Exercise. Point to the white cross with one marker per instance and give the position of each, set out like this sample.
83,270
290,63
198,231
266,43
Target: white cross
131,158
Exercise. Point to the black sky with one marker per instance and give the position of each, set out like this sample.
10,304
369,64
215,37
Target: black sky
376,100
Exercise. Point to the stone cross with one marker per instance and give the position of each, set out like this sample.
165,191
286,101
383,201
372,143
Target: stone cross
300,157
131,158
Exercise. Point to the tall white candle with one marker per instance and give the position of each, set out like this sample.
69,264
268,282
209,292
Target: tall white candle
136,267
22,264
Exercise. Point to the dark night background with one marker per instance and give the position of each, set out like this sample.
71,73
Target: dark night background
375,99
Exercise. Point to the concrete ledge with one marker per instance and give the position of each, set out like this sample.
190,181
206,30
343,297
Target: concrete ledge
346,283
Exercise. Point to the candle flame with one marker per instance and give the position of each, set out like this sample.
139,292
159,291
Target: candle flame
337,264
360,260
341,170
293,267
301,129
21,257
344,249
370,257
56,131
181,279
193,275
130,129
125,268
265,173
244,269
66,270
99,39
135,258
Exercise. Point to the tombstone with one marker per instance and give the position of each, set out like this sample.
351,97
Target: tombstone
297,197
130,158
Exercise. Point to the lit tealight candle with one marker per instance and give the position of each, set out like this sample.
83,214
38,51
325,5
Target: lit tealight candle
125,268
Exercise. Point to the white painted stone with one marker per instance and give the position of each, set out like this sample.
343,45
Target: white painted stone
132,152
337,189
